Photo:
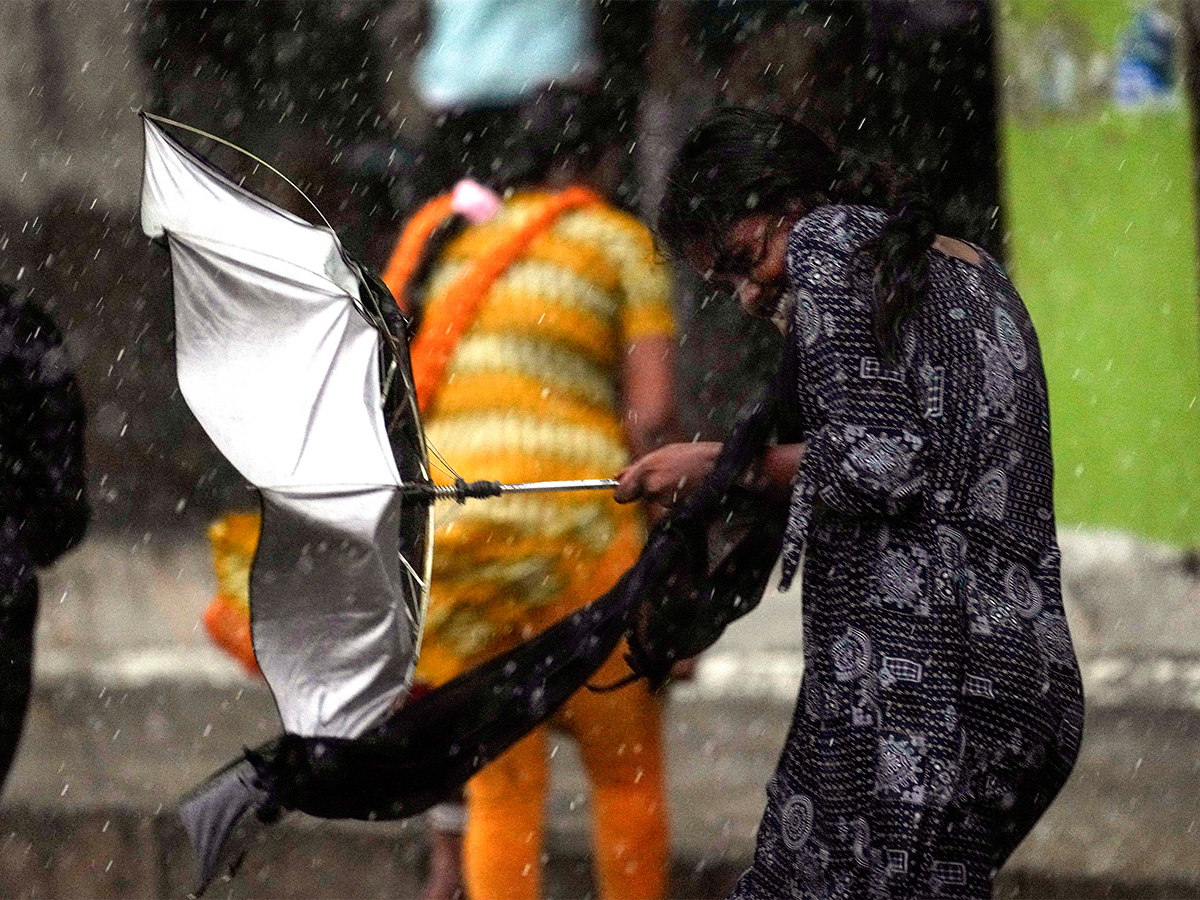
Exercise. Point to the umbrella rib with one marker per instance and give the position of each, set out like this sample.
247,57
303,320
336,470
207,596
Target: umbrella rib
441,492
441,460
245,152
411,571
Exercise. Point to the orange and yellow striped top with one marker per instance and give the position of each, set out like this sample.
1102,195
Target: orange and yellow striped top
532,392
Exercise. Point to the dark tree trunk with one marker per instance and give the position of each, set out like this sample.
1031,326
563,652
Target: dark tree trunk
931,101
1190,60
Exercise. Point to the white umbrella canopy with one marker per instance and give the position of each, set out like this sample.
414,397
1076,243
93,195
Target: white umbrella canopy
287,366
295,361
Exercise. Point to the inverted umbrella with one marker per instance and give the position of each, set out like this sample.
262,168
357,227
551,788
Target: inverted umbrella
294,358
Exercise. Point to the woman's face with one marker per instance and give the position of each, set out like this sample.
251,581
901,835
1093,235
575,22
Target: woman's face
751,262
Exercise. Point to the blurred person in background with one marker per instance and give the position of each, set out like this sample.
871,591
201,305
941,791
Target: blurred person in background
544,350
941,709
484,69
43,488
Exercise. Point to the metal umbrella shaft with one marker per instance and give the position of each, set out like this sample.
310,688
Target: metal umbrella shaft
541,487
463,490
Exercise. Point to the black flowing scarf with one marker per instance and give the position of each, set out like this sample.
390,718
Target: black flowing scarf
704,565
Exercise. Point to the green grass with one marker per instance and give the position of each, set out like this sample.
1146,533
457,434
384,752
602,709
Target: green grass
1104,252
1102,19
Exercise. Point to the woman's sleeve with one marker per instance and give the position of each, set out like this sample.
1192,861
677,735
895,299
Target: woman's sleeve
866,458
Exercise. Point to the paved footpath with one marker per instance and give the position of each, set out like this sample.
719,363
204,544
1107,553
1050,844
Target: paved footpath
133,707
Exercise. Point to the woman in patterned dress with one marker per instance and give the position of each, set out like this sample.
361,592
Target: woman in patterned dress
941,709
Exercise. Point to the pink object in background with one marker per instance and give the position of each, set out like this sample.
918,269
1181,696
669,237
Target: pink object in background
473,200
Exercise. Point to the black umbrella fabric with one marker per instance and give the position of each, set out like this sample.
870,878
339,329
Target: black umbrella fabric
672,603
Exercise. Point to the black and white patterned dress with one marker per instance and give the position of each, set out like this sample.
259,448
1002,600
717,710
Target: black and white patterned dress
941,708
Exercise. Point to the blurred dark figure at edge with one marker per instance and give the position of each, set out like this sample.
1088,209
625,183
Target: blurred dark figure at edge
43,505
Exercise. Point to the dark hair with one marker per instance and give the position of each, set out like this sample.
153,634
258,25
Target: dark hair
417,285
522,146
739,162
524,143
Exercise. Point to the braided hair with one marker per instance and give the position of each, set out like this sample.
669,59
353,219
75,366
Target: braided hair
740,162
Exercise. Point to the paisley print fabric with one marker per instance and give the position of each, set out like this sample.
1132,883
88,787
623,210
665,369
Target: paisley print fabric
941,709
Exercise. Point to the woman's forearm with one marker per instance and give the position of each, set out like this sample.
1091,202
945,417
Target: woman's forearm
648,395
772,475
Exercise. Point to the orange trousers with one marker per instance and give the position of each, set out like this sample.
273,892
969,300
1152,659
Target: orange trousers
619,739
619,735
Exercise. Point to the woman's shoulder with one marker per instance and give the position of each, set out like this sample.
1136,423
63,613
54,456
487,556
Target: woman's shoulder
838,226
597,223
824,244
606,222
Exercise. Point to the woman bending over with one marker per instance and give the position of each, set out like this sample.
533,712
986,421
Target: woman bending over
941,709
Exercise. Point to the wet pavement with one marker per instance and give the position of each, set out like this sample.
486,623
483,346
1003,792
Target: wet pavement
133,707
